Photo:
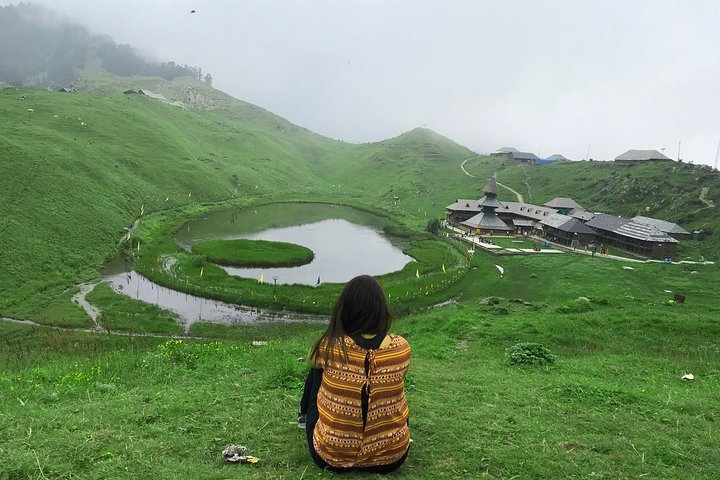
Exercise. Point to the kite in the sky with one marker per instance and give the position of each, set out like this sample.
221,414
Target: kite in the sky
192,11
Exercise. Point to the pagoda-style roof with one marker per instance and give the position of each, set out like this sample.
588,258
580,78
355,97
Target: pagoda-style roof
486,221
491,187
489,201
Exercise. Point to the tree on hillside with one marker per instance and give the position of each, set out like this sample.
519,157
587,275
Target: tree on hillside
433,226
208,79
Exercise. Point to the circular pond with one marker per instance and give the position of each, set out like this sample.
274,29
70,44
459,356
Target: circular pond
346,241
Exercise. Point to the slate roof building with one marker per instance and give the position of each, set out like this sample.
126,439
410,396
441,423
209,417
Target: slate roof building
582,215
563,204
565,229
643,236
631,236
642,156
672,229
487,222
503,151
523,157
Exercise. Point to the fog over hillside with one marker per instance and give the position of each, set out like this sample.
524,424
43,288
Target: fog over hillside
557,76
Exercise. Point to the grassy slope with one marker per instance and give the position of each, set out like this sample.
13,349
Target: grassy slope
71,187
613,407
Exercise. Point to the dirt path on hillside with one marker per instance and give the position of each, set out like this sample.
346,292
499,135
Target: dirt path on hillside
90,309
102,331
526,181
517,194
703,193
462,167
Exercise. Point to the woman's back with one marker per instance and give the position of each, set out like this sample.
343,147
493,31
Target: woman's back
361,403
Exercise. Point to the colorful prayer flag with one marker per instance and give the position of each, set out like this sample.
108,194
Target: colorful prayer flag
417,273
443,268
262,278
202,269
318,281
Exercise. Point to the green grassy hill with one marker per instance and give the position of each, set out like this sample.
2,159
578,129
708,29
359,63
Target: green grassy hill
78,167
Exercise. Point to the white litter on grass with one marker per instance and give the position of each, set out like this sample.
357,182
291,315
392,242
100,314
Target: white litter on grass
628,268
500,269
688,376
259,343
667,291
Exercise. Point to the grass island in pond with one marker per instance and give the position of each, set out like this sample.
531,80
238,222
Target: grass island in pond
254,253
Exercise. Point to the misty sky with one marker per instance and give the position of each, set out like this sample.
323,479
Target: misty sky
548,76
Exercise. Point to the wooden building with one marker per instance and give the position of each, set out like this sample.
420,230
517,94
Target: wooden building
628,235
566,230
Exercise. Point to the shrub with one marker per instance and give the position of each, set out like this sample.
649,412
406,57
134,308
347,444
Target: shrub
528,353
433,226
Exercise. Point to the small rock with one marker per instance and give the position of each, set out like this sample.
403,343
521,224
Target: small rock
688,376
583,299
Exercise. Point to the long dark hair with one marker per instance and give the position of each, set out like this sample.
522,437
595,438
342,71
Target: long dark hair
361,308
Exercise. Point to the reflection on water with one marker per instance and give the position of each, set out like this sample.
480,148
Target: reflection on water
347,242
192,309
342,250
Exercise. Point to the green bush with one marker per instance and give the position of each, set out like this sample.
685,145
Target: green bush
433,226
528,353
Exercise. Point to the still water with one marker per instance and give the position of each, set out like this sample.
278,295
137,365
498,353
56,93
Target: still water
346,241
191,309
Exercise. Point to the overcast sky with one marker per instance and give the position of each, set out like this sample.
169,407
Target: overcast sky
548,76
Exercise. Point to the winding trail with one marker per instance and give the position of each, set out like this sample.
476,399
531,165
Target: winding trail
462,167
91,310
103,331
517,194
703,193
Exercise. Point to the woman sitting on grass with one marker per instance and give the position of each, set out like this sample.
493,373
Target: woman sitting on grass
354,407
